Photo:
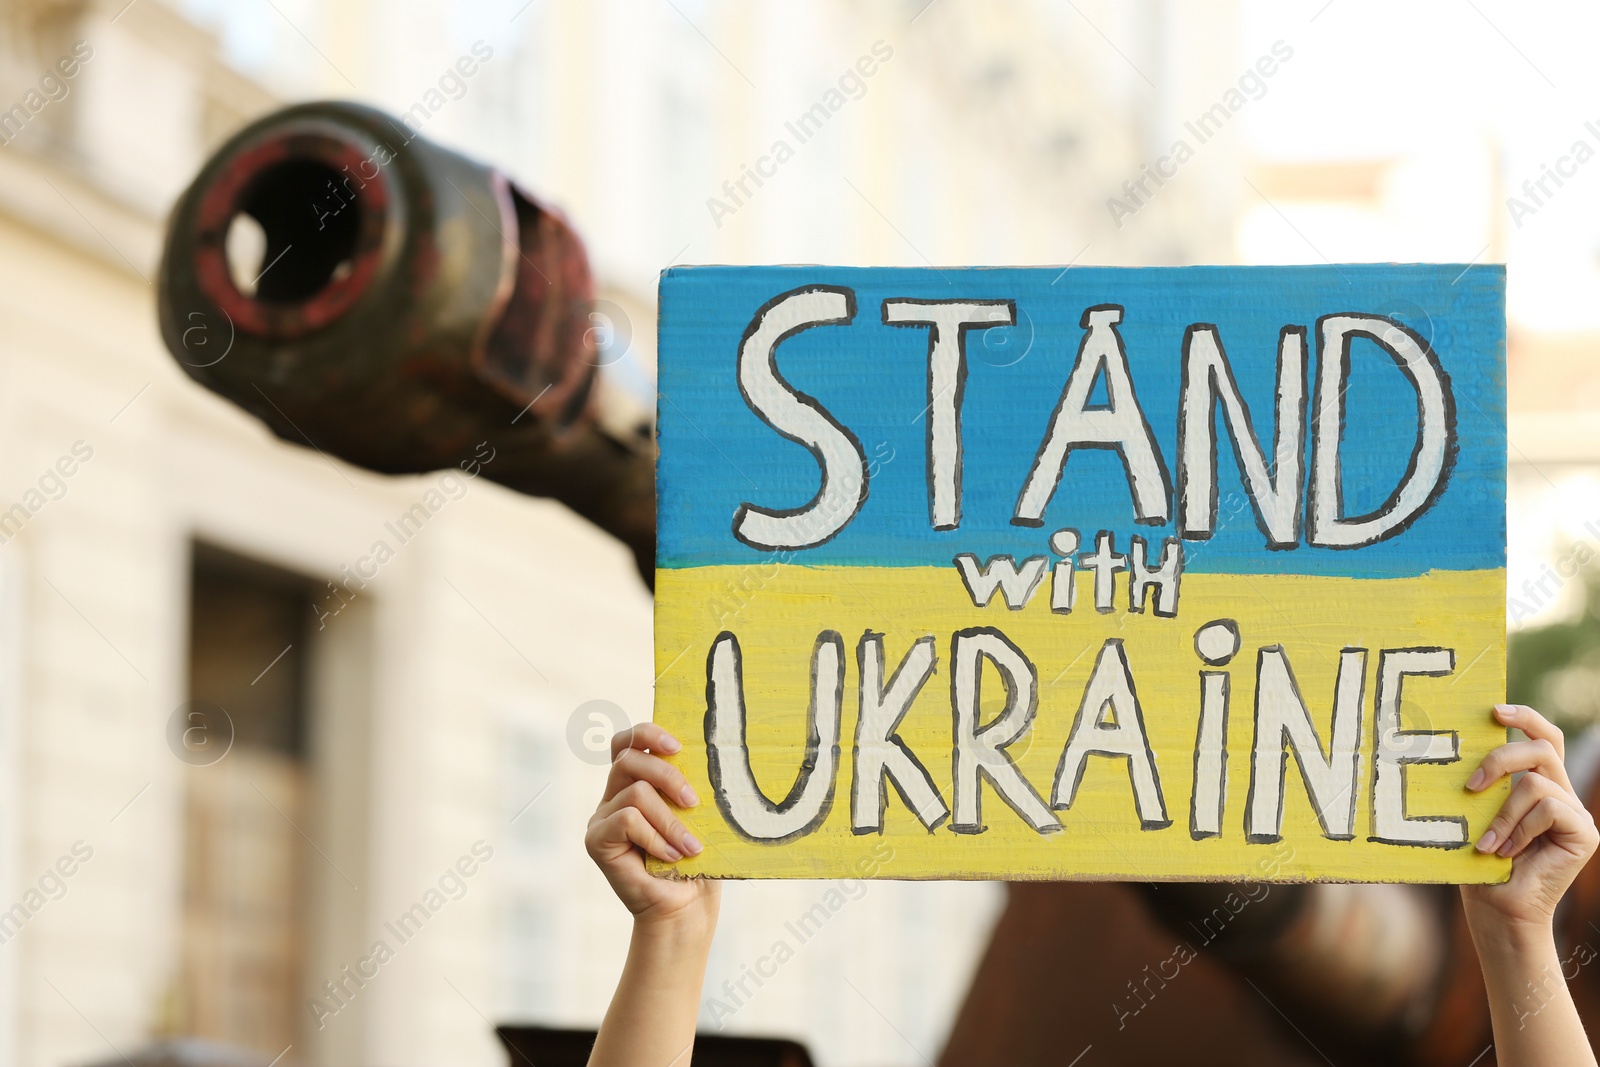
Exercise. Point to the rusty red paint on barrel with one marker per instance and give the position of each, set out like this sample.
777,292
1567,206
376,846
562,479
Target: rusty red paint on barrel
411,305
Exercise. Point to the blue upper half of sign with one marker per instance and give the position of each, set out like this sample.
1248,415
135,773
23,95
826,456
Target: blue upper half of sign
873,379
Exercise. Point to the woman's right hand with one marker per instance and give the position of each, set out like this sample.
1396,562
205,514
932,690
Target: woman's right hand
636,816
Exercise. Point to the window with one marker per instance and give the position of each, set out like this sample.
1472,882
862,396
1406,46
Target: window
244,876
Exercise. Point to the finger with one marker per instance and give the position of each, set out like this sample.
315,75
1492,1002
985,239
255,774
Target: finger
626,828
608,837
1533,788
1566,825
1530,722
635,766
643,797
1538,755
647,735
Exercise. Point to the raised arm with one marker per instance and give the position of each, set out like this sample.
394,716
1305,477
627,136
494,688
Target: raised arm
651,1020
1546,829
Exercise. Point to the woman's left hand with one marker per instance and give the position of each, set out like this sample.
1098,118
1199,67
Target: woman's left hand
1543,826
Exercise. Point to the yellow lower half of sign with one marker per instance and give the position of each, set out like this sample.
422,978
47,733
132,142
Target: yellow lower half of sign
777,612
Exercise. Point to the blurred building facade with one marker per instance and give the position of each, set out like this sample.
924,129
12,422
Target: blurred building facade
169,556
167,547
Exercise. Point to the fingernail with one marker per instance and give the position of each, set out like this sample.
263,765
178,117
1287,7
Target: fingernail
1505,850
1504,713
1475,783
673,855
670,743
689,797
1486,843
692,845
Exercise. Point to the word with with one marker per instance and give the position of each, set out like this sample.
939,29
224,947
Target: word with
1566,167
340,992
52,486
803,929
51,89
1251,82
736,595
451,81
1207,385
1108,723
1018,584
1551,580
405,528
52,886
1541,994
1210,928
807,126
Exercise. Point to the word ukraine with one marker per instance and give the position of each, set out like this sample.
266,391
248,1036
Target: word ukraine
1059,560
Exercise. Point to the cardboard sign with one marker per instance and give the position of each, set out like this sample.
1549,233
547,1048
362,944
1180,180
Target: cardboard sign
1099,573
